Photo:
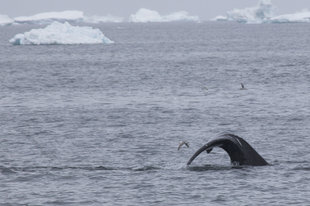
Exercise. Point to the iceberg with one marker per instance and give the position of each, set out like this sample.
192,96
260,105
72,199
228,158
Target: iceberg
145,15
299,17
180,16
49,17
102,19
63,16
5,20
61,33
263,12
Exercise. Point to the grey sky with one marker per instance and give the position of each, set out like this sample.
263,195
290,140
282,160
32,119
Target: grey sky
205,9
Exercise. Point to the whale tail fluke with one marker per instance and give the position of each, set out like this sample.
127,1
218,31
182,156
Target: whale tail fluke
237,148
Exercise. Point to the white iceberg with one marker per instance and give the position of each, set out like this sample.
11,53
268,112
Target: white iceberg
63,16
61,33
102,19
299,17
263,12
5,20
49,17
180,16
145,15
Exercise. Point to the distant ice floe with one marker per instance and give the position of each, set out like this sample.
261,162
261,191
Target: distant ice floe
263,13
49,17
145,15
102,19
299,17
258,14
72,16
5,20
61,33
65,16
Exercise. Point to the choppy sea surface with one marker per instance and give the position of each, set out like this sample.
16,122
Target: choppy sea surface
100,124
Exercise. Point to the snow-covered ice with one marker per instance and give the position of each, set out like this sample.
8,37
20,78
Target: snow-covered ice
4,20
61,33
299,17
49,17
258,14
264,13
70,16
145,15
102,19
142,15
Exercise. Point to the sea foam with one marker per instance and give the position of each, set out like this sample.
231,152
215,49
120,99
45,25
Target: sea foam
61,33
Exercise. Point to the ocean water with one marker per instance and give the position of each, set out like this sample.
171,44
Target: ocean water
100,124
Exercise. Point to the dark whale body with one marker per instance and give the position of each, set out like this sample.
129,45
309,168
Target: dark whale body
239,151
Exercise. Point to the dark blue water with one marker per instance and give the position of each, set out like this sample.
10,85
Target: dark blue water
100,124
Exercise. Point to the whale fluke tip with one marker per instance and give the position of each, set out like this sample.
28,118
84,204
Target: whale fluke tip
237,148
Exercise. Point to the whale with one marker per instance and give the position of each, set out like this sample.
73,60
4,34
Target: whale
239,151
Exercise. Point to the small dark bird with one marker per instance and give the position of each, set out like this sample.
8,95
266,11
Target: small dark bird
183,143
242,86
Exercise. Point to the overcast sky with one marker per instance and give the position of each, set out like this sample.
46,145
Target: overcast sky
205,9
